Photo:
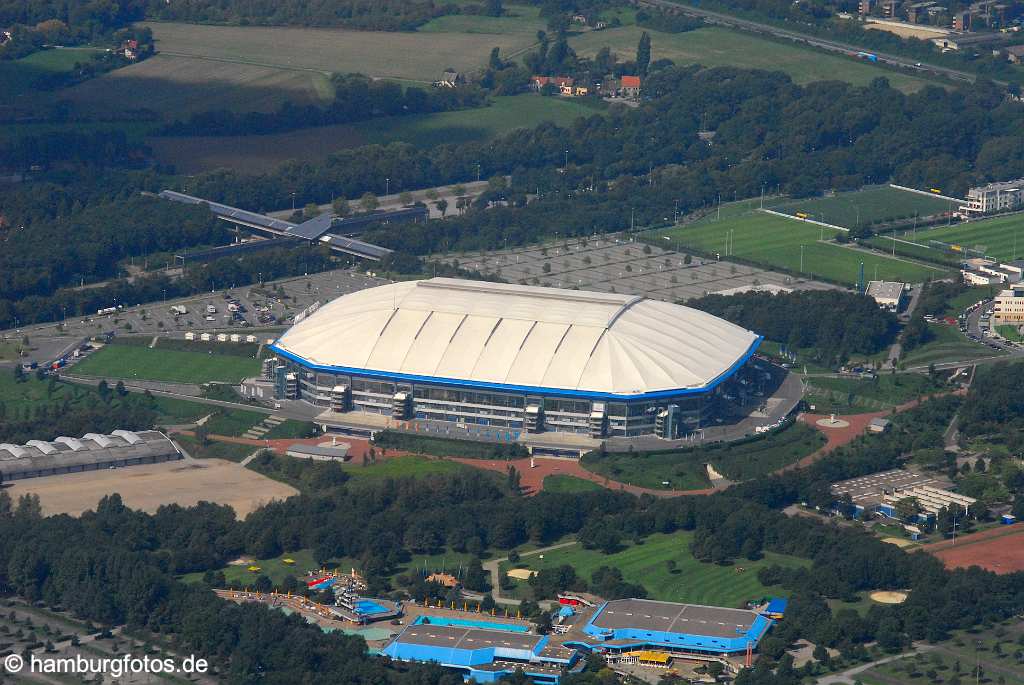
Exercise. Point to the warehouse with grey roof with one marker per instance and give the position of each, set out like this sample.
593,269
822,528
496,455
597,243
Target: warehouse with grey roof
91,452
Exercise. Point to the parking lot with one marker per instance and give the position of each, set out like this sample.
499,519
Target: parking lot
617,264
281,300
275,302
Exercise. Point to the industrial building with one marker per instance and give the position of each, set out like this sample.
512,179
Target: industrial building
625,625
994,197
481,653
91,452
512,357
888,295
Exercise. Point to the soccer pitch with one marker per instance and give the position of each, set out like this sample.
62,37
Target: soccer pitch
1001,238
795,246
175,366
866,207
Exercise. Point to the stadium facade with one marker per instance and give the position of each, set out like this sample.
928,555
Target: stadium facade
514,357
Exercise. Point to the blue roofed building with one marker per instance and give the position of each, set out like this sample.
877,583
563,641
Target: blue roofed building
639,624
483,655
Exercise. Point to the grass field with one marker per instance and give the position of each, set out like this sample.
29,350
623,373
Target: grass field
949,344
403,467
778,242
684,469
569,484
261,153
865,207
17,76
126,361
828,395
238,575
1001,237
718,47
691,581
1010,332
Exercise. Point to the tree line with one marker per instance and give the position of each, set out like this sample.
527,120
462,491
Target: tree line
833,323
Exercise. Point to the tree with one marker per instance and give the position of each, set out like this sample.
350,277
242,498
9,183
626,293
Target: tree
494,62
493,8
442,206
643,53
341,207
311,210
405,197
368,202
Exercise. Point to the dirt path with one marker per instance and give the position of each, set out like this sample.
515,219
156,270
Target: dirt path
493,568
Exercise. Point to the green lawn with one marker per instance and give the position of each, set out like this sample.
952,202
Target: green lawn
1001,237
1010,332
865,207
126,361
691,581
862,395
215,450
504,114
232,422
403,467
292,429
684,469
779,242
949,344
718,47
568,484
239,575
956,305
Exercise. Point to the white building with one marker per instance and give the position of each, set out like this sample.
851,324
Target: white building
995,197
887,294
1008,306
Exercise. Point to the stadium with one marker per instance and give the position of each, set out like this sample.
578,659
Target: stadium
514,357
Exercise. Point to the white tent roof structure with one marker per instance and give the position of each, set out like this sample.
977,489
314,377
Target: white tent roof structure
520,337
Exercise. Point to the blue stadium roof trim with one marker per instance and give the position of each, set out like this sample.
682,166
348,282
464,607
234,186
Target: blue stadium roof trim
502,387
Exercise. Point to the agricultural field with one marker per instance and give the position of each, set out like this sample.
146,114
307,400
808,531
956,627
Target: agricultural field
721,47
852,395
649,564
173,366
775,241
949,344
1001,237
685,469
262,153
865,207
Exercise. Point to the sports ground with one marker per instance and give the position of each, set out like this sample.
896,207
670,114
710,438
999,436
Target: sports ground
999,550
865,207
1001,237
799,247
173,366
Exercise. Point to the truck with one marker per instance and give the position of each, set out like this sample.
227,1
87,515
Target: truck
210,309
178,309
232,307
869,56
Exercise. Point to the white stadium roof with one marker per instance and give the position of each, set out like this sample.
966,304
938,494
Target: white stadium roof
511,336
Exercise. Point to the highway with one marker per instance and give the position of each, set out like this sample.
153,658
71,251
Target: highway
814,41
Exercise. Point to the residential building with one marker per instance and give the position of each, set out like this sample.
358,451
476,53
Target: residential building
559,82
865,7
962,21
994,197
631,86
451,79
